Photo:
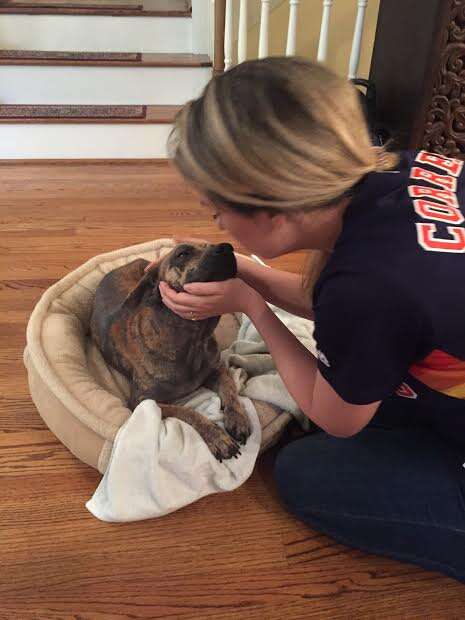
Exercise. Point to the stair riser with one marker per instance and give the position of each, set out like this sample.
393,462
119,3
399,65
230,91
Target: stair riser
83,141
101,85
96,34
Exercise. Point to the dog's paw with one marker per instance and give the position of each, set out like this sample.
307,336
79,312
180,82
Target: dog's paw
221,445
237,423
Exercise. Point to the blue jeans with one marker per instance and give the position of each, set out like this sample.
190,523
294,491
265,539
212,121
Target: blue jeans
396,490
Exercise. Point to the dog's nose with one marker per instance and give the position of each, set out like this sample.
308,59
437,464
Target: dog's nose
223,248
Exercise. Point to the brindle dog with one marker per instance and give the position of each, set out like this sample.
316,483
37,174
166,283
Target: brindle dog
164,356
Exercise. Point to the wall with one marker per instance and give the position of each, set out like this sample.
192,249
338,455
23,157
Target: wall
308,31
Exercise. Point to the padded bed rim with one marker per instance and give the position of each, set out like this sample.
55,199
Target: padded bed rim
35,354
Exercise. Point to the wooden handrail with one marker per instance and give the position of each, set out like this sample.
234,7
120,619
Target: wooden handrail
220,18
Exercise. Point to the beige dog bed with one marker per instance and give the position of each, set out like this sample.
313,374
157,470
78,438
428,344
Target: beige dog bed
80,398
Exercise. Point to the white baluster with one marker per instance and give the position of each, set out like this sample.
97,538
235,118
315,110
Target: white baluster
242,41
264,27
324,31
357,40
292,30
228,36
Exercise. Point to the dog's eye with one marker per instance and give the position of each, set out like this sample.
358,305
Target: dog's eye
182,254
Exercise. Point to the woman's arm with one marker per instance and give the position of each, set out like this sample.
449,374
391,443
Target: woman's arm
295,364
281,288
298,369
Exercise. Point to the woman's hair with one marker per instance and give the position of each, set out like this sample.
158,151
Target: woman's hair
278,133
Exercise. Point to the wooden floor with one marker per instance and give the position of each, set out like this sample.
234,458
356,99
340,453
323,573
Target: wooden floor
229,556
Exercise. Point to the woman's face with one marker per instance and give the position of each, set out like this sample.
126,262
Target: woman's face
270,236
259,233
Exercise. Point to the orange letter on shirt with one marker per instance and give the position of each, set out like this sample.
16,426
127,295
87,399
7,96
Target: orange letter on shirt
451,166
427,240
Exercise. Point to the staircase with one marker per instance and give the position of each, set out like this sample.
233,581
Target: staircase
97,79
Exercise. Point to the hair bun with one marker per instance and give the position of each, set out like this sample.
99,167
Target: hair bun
384,160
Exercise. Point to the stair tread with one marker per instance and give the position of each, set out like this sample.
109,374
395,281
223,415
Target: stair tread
116,114
130,4
149,8
96,59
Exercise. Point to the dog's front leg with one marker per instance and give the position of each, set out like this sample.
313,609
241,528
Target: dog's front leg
221,445
236,421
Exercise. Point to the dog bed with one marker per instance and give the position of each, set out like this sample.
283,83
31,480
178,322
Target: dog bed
81,399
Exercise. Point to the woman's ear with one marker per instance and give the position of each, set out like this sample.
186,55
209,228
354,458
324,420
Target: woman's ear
264,221
278,220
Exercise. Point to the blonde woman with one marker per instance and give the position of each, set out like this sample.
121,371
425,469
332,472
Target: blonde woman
279,150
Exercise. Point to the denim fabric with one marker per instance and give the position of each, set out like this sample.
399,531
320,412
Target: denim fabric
393,489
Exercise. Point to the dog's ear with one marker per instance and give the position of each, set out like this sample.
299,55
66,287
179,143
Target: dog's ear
148,279
152,266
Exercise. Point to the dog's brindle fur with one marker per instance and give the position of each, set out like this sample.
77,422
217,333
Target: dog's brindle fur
164,356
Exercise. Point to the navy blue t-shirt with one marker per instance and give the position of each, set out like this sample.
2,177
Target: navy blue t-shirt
390,303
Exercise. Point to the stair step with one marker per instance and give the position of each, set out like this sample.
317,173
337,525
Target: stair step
90,33
149,8
88,114
102,85
102,59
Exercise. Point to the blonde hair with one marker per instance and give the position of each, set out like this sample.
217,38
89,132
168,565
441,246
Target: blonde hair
278,133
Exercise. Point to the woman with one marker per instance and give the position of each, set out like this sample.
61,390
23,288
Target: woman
280,151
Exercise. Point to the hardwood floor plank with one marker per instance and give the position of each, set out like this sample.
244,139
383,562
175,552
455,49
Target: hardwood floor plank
230,594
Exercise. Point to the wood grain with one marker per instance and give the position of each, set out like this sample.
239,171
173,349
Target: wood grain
401,63
235,556
442,120
218,54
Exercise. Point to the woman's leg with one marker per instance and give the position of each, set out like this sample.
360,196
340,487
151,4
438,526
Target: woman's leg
397,492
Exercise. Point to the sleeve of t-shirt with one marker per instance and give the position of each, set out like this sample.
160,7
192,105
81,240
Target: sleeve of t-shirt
368,334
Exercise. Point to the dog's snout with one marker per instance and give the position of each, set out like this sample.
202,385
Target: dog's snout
223,248
217,263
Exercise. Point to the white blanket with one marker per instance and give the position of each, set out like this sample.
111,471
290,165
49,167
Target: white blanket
159,465
250,353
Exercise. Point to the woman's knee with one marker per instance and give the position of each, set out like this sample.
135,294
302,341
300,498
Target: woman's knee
325,474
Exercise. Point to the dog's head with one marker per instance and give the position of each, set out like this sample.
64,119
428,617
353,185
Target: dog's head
187,262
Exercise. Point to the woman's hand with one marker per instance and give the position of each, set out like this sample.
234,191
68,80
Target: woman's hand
203,300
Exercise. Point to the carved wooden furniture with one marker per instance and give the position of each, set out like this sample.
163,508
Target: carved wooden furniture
418,69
